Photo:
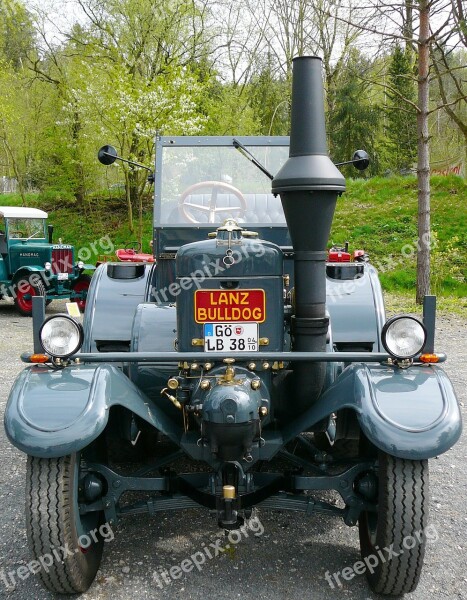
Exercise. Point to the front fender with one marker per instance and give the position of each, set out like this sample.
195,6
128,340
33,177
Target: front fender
408,413
26,271
53,413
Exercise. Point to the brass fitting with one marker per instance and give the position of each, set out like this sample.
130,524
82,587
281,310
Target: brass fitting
264,341
266,366
252,366
229,374
228,491
172,399
255,384
197,342
263,411
205,384
173,383
277,365
208,366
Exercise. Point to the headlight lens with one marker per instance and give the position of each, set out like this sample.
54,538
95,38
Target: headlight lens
48,266
80,264
403,336
61,336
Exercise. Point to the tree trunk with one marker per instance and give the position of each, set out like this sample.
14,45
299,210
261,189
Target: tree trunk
423,165
136,197
79,187
16,171
129,204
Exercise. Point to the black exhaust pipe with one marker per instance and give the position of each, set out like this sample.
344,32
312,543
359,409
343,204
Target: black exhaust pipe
309,185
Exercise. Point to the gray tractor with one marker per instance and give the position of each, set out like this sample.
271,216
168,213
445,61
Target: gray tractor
242,369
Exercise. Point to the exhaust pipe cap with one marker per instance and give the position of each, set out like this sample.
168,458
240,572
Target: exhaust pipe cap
309,166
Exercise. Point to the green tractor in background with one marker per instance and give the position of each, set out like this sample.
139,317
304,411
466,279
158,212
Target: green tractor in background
31,265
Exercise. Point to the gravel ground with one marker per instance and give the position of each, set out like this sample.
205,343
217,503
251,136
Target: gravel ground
288,561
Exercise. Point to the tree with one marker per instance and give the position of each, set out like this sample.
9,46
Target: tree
423,162
354,122
401,125
17,40
270,100
449,70
17,34
411,24
138,56
127,69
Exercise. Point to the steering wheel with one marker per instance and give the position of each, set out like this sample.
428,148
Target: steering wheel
211,210
16,232
135,246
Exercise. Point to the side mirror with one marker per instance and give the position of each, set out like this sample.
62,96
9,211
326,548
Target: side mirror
360,160
107,155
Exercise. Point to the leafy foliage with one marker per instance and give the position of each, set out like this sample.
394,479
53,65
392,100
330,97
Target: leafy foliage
401,128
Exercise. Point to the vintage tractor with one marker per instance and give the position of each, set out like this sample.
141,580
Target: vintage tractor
240,370
32,265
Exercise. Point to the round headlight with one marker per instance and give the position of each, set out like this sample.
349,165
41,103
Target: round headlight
61,336
80,264
48,266
403,336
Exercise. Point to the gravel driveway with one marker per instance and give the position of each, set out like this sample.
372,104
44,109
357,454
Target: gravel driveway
287,561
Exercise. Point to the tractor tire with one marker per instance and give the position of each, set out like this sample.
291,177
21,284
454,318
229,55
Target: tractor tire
53,523
25,289
401,518
81,284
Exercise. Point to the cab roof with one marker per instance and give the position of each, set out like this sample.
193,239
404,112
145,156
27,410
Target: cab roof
22,212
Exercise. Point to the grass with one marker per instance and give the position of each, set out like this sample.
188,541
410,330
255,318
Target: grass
380,216
400,302
377,214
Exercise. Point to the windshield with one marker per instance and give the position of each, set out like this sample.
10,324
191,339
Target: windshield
25,228
208,184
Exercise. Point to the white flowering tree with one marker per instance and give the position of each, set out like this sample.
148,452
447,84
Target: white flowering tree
128,112
124,70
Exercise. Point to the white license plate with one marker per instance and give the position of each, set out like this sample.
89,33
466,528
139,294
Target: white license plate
62,276
230,337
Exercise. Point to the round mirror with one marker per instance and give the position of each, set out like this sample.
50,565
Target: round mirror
107,155
360,160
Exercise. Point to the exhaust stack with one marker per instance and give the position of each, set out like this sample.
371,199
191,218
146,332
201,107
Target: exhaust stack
309,185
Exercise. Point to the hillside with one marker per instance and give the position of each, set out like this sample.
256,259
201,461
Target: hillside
376,214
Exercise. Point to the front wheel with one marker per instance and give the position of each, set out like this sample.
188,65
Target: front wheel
25,289
392,540
80,286
66,545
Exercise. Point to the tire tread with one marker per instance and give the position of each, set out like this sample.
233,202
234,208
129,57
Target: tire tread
49,523
403,502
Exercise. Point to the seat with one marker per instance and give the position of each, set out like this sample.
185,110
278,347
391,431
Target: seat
3,244
261,208
264,208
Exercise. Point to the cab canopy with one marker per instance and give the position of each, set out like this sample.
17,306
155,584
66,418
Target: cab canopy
21,212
